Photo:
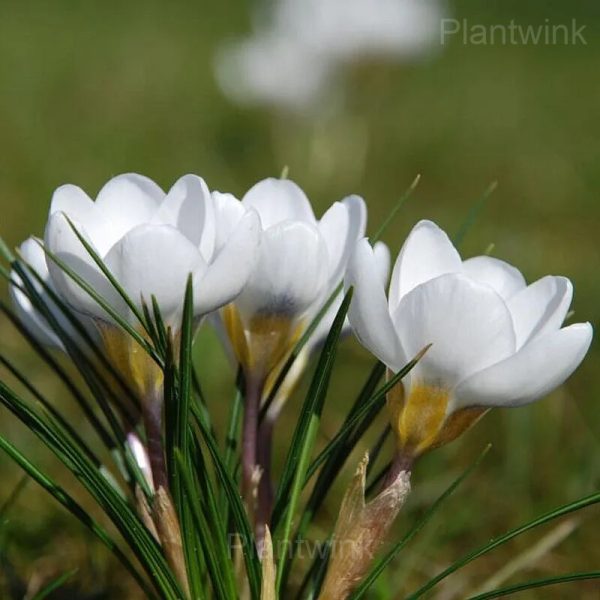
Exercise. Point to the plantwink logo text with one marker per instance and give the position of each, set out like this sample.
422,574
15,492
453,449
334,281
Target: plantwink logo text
512,34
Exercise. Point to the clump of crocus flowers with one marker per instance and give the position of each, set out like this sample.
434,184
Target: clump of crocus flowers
112,276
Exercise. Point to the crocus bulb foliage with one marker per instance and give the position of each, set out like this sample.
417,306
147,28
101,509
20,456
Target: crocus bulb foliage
151,242
301,261
495,341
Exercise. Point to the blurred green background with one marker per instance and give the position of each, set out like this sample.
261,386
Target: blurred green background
89,90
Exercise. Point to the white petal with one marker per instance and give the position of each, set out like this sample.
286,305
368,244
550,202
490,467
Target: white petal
369,314
278,200
341,227
227,275
61,241
541,307
228,213
468,324
189,208
383,261
537,369
78,206
427,253
504,278
128,201
38,327
291,272
155,260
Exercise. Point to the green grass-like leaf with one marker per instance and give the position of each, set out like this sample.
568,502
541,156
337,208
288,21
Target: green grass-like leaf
303,440
110,311
372,405
108,498
538,583
107,273
473,214
394,212
236,508
513,533
54,585
56,491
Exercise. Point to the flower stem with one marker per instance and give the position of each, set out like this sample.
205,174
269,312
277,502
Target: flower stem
249,442
401,462
265,487
152,415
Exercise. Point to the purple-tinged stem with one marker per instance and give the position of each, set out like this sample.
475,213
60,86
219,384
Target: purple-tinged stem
152,415
401,462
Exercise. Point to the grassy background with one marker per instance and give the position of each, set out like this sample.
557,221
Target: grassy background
89,90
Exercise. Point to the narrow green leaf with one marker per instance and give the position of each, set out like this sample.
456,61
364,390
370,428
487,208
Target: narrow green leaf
473,214
236,507
371,406
12,498
407,194
336,459
326,478
54,585
182,412
382,563
180,468
6,252
71,345
538,583
63,376
75,509
304,438
107,273
110,311
231,457
218,563
296,351
116,508
160,324
49,408
513,533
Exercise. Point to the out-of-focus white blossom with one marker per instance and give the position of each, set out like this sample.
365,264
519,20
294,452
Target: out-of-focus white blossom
297,49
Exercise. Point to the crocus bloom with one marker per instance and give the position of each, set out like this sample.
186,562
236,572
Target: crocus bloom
151,242
301,261
495,340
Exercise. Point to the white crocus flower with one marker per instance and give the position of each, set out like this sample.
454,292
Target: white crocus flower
151,242
301,261
495,340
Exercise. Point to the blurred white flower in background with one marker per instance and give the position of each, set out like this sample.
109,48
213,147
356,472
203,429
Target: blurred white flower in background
297,50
